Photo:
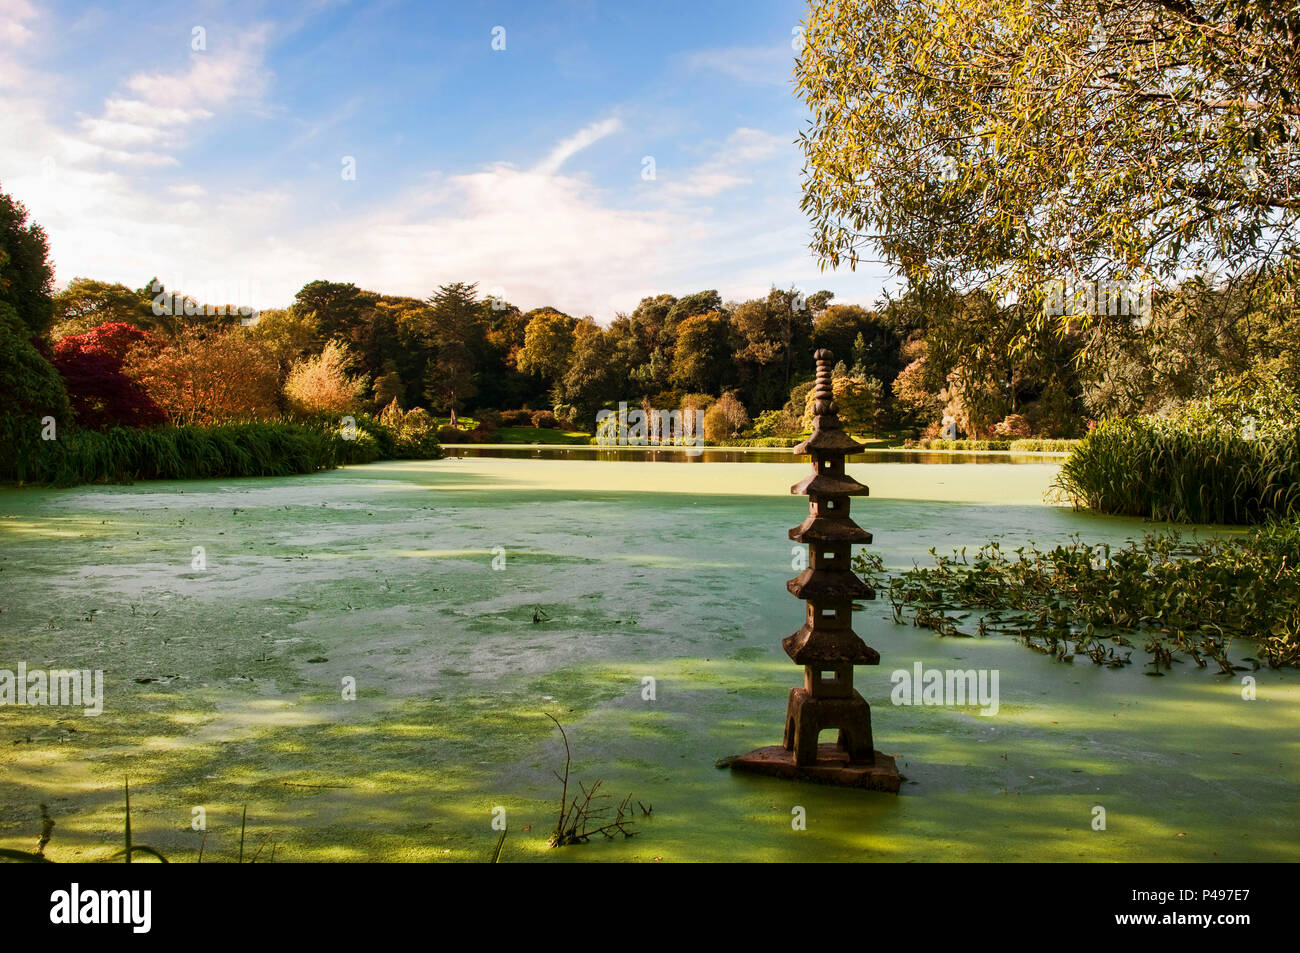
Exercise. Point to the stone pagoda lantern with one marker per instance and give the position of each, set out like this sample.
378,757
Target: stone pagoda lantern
826,645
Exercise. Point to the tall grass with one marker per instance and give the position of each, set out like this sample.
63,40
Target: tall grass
182,453
1179,472
255,449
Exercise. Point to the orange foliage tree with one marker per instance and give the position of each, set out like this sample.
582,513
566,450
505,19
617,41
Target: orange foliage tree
207,377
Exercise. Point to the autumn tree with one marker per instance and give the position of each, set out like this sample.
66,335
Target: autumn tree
206,377
916,388
688,306
863,339
503,384
387,387
321,383
101,392
774,341
725,419
645,341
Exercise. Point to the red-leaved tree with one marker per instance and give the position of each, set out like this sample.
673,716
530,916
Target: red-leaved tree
101,392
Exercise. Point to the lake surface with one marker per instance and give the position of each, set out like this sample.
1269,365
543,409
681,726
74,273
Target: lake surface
467,598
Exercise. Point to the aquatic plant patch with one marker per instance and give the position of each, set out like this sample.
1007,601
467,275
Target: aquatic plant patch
1177,599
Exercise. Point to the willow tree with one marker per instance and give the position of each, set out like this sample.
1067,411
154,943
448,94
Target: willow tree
1006,144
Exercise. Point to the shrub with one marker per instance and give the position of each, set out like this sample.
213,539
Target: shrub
321,384
364,441
959,444
774,442
775,423
545,419
517,418
566,414
228,450
725,419
1012,425
1043,445
449,434
101,392
415,435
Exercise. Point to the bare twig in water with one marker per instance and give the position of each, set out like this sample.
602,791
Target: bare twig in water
585,816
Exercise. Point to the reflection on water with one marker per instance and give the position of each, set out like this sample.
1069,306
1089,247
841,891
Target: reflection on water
733,455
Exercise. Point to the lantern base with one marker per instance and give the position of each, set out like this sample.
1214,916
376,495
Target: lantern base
831,767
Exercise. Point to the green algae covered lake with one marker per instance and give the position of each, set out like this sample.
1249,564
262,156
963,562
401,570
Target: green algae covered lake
225,669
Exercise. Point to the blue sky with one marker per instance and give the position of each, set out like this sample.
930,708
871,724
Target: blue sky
526,169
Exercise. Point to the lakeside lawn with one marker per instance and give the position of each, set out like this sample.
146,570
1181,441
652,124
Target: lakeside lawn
223,684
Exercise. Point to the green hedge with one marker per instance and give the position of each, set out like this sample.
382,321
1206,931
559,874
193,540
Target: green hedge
760,442
1043,445
256,449
1170,470
1024,445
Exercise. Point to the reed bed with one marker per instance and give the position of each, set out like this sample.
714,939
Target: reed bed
1172,471
250,449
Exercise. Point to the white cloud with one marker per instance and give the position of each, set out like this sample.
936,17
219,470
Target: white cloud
545,234
580,140
163,102
730,166
231,67
12,30
145,113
